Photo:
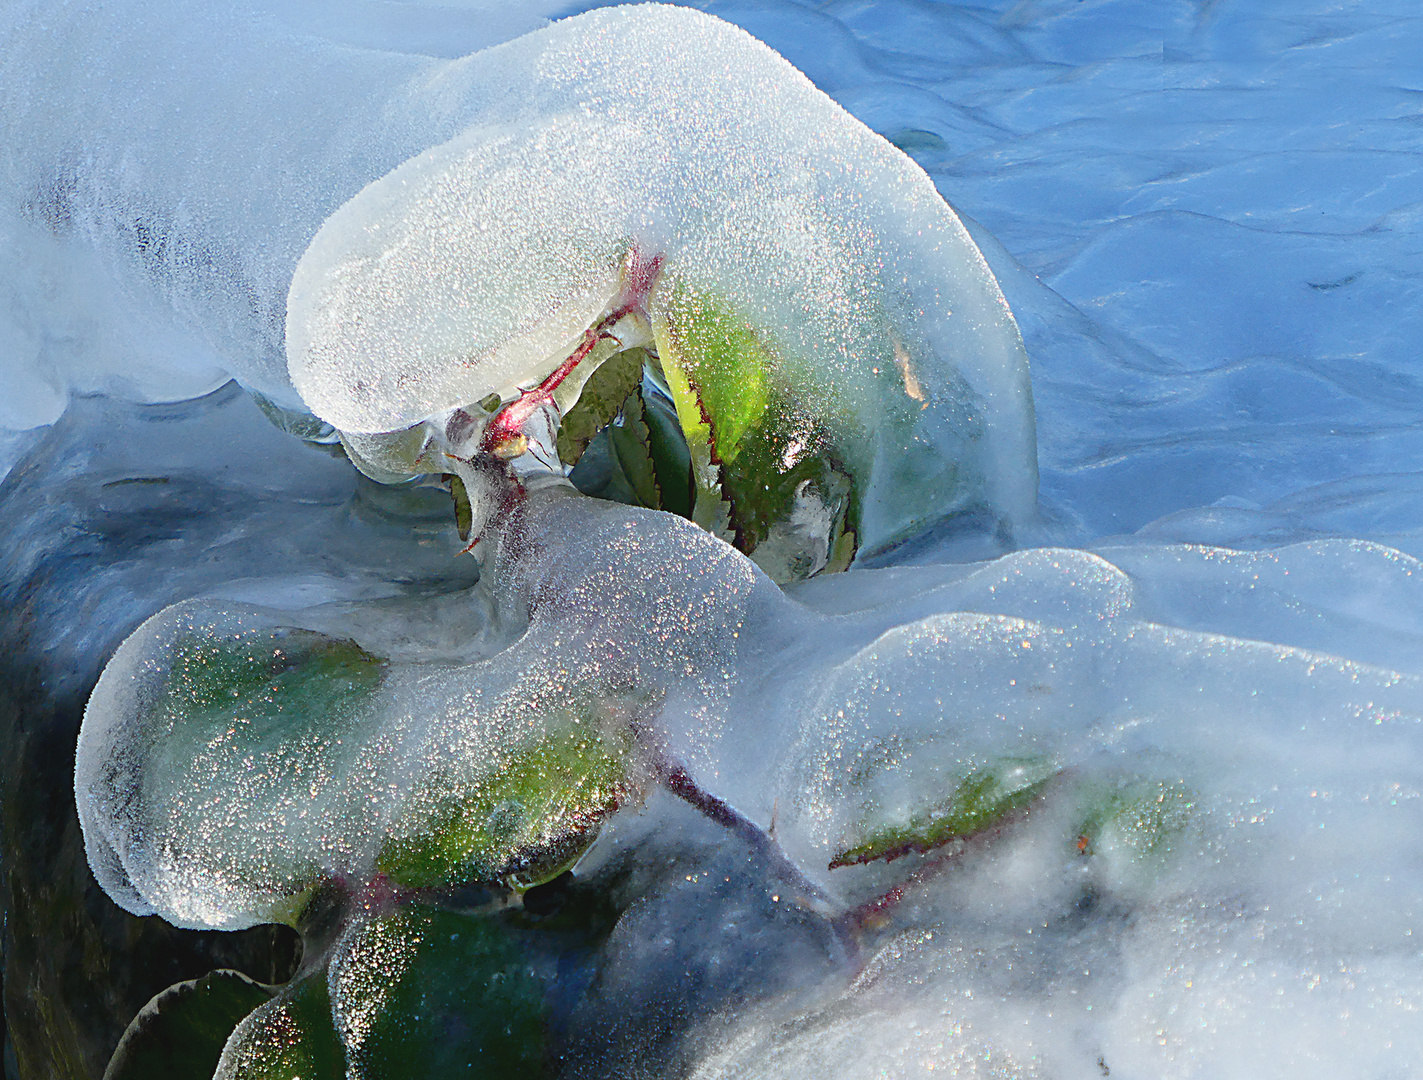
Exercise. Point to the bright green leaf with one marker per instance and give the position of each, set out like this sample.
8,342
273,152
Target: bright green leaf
526,821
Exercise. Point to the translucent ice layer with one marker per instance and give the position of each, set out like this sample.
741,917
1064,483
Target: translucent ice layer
1006,778
1228,191
819,316
158,194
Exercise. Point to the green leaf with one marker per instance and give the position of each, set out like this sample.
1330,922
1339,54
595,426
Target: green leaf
983,799
720,375
464,514
631,443
529,819
1133,816
179,1035
667,446
770,475
459,996
423,993
290,1037
278,699
602,397
264,677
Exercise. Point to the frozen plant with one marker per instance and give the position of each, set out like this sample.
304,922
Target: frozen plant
770,322
797,343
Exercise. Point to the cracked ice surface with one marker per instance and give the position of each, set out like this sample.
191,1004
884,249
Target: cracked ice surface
1223,200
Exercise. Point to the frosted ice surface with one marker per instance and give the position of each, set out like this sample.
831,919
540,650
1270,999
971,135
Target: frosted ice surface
157,208
478,265
446,30
1249,810
1223,172
156,224
154,209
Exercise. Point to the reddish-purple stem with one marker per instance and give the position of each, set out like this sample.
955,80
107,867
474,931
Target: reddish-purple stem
639,274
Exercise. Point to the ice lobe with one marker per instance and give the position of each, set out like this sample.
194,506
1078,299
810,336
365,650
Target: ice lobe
156,196
660,164
234,759
789,270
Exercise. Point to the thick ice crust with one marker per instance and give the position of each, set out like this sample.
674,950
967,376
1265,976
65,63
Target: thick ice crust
650,132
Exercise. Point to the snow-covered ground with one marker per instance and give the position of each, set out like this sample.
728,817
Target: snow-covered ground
1208,220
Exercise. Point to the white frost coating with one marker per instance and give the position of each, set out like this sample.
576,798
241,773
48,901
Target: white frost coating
465,270
162,190
155,196
666,132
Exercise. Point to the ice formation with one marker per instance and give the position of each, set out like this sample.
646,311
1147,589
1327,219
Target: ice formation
1159,868
829,336
807,293
1213,724
154,211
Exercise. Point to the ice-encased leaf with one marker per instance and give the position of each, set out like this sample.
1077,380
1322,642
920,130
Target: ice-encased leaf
464,514
180,1034
529,826
651,451
602,398
804,280
981,800
209,762
781,483
231,765
1131,818
290,1036
458,996
418,993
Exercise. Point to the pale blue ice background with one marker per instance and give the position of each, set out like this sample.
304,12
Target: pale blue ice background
1232,191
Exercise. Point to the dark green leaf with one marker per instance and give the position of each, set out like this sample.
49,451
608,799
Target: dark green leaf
179,1035
267,676
289,1037
463,999
601,399
464,515
667,446
284,693
631,443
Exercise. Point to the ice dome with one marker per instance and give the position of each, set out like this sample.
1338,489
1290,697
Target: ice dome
480,263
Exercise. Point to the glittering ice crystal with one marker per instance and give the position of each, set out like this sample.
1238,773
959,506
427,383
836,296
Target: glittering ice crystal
1192,781
818,315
